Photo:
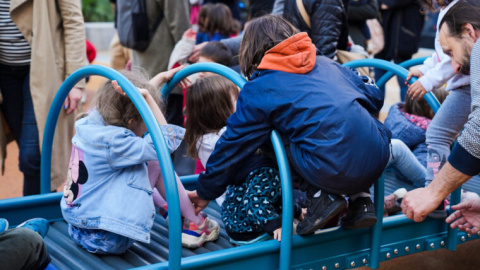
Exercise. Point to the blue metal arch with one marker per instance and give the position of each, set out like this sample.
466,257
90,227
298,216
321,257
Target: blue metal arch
284,169
406,64
152,125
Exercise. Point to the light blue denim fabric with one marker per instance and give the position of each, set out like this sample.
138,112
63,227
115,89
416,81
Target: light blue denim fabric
115,194
100,241
406,163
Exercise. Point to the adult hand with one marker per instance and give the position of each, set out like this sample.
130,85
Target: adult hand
466,217
197,202
196,52
73,99
416,90
418,203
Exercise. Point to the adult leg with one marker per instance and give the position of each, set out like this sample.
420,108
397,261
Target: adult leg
444,128
22,248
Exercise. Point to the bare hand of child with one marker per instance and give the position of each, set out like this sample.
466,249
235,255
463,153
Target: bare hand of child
302,215
416,90
167,76
277,234
119,90
197,202
415,73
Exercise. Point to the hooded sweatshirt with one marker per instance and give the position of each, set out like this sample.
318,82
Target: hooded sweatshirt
322,111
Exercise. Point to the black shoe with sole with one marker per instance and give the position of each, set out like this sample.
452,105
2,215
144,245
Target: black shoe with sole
319,211
360,214
440,212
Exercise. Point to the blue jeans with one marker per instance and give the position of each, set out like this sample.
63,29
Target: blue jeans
403,87
444,129
100,241
406,163
17,107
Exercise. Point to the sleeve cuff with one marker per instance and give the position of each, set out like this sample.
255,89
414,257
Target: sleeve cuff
272,225
463,161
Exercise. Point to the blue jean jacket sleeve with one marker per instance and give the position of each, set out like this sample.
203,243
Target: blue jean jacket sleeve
126,149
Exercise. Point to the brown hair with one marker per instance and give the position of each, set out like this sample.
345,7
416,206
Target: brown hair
216,18
420,107
117,109
261,35
217,52
461,13
209,103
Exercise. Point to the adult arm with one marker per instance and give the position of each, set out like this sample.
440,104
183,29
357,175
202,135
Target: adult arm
176,14
418,203
75,48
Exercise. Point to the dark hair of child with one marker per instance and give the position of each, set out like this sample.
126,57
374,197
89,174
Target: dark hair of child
209,103
118,110
216,18
262,34
420,107
217,52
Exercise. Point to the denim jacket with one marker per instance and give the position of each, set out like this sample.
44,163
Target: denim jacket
107,186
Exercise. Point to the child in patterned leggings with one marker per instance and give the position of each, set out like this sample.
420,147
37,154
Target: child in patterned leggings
251,210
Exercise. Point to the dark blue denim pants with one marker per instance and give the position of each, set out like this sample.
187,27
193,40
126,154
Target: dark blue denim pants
17,107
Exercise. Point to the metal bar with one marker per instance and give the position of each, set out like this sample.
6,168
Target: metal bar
287,201
406,64
152,125
376,230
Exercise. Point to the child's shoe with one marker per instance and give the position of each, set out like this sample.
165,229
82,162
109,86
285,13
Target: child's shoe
3,225
39,225
440,212
194,236
360,214
320,209
391,204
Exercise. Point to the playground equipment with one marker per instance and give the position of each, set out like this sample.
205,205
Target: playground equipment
333,248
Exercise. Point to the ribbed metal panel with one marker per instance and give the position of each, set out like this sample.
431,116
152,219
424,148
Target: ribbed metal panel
67,255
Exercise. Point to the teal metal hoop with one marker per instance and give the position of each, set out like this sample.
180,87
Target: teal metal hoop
158,141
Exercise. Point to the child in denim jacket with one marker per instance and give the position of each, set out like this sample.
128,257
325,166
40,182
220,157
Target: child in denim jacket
108,200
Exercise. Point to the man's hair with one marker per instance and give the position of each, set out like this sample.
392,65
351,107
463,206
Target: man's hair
465,11
261,35
117,109
208,104
217,52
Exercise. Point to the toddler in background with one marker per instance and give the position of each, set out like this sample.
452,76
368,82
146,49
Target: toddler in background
108,200
251,210
215,23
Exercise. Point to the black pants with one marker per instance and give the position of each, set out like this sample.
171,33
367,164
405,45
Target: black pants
22,248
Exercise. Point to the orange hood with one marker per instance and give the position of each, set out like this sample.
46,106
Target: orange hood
297,54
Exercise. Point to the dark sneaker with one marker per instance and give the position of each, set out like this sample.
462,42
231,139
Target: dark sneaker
319,211
440,212
360,214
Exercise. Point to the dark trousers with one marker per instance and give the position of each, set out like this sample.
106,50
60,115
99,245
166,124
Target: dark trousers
22,248
17,107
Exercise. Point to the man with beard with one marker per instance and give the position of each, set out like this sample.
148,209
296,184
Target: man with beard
459,33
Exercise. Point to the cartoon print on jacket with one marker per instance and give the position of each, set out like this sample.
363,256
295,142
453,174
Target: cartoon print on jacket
76,177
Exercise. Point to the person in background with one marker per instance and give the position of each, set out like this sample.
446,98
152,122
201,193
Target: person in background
459,34
33,65
402,23
359,11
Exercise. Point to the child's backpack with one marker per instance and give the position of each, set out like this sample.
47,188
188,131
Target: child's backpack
132,24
